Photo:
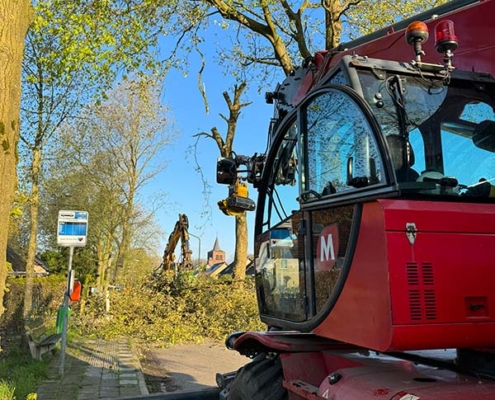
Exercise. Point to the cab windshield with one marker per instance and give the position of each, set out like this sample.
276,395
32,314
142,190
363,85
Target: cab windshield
440,135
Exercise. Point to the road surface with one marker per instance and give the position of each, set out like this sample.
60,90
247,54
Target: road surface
188,367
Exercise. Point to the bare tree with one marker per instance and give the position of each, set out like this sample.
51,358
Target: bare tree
116,144
225,147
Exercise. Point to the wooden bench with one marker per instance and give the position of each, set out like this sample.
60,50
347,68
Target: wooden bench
39,341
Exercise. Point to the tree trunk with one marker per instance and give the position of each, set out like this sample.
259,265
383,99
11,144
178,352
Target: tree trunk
15,17
333,22
241,242
104,256
100,276
127,226
122,254
125,243
33,232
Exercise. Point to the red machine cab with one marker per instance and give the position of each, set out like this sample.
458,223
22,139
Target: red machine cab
375,219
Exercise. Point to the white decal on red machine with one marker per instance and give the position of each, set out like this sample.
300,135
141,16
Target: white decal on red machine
327,248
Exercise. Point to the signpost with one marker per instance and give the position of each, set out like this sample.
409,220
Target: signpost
72,228
72,231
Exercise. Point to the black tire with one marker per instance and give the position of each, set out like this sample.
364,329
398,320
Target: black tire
259,380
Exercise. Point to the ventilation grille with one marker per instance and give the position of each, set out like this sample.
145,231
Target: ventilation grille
415,305
412,274
427,273
421,287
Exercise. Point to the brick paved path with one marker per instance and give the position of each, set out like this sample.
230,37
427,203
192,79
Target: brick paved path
95,369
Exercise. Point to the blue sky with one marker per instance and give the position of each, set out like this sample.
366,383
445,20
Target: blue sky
180,180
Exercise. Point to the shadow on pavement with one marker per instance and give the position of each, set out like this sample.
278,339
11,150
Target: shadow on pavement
94,369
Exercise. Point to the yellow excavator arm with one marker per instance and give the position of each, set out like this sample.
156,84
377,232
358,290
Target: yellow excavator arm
180,232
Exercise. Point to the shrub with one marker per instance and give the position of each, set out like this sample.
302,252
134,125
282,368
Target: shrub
48,295
186,309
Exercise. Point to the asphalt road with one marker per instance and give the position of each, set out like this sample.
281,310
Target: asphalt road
192,367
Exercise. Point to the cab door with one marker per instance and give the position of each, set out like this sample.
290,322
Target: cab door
343,165
325,161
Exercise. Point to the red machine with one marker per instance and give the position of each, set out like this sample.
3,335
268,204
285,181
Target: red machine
375,219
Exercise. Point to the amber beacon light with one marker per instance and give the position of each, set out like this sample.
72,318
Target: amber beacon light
416,35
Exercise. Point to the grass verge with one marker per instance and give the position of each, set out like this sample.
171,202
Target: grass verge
20,375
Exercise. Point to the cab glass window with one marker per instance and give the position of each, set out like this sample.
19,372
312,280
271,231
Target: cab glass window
341,154
280,277
469,155
283,190
279,262
440,134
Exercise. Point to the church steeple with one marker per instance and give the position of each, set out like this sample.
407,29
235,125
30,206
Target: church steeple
216,256
216,246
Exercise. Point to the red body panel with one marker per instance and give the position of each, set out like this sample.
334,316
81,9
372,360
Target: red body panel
351,376
317,368
435,293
